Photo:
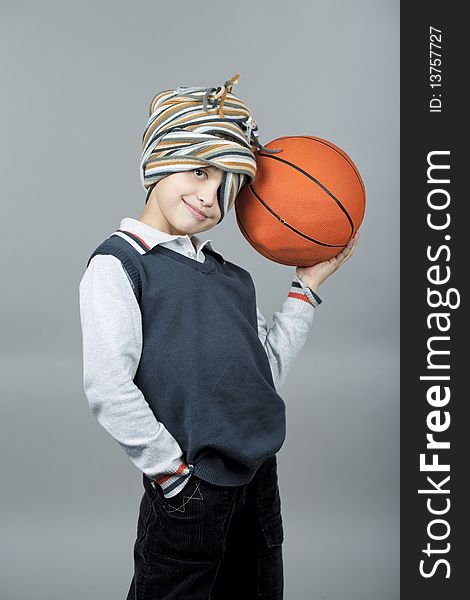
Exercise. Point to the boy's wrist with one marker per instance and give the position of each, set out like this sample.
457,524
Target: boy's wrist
311,284
310,289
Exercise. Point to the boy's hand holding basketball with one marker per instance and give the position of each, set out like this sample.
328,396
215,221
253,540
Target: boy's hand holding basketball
316,274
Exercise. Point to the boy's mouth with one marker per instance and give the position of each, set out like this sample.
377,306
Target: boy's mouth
194,211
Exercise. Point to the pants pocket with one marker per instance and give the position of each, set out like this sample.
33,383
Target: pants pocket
270,559
269,503
179,504
191,524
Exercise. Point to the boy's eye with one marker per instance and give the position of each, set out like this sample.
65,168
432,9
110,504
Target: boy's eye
200,171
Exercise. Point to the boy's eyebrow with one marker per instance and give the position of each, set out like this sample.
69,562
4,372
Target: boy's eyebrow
213,169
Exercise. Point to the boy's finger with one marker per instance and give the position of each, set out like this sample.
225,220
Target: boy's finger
353,242
348,250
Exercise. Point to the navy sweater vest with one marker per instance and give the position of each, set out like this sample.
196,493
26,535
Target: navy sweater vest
203,370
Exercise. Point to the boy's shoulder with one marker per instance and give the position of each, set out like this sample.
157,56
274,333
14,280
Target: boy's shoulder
118,245
237,267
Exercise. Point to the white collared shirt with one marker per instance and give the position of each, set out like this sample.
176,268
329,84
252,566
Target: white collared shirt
112,345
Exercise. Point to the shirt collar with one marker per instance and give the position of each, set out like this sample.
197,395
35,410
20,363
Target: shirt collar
152,236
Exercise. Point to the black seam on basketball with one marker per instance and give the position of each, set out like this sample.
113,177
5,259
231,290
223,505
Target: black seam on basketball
312,137
315,181
274,258
353,167
290,226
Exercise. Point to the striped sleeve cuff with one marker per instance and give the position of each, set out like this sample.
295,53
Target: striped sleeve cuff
172,484
302,292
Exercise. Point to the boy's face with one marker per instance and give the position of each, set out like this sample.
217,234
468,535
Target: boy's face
169,205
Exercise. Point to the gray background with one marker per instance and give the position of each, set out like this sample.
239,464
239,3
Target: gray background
76,88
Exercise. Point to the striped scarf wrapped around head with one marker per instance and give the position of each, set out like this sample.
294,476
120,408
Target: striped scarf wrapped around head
193,126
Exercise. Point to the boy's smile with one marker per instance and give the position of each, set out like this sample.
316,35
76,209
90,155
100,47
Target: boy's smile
185,203
199,214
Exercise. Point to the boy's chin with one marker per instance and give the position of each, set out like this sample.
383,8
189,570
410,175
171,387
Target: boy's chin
190,228
185,229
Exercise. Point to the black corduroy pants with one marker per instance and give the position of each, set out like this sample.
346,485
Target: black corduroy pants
210,542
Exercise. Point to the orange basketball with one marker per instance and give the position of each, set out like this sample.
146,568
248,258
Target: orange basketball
305,203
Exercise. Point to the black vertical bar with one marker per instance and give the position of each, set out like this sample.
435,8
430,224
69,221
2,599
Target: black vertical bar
433,248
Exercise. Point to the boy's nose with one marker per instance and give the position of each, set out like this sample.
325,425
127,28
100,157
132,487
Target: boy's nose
209,197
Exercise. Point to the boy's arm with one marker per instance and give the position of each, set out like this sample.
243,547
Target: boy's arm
112,345
286,338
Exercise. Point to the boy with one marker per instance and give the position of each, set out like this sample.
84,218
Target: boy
179,366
